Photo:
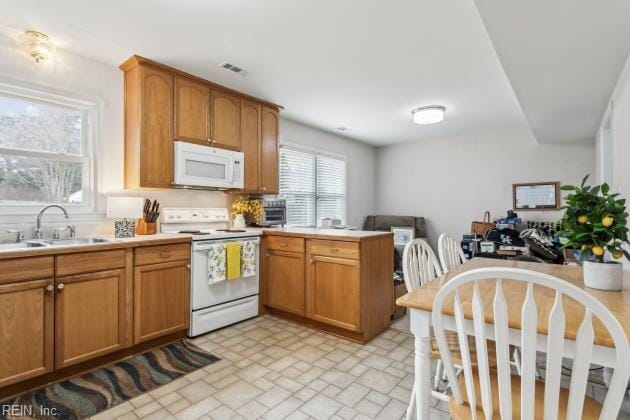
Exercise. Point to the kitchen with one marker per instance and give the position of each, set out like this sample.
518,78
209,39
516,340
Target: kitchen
96,293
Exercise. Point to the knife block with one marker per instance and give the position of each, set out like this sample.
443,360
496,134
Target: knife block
145,228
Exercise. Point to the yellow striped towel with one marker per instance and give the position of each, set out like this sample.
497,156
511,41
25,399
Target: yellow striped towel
233,260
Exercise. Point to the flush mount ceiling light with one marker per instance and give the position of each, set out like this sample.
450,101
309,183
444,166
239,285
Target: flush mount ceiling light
39,46
428,114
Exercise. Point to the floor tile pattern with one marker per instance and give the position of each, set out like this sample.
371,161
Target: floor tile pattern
274,369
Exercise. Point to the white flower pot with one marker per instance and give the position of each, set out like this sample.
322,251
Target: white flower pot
603,276
239,221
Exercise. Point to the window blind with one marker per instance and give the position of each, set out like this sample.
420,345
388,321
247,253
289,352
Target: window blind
313,184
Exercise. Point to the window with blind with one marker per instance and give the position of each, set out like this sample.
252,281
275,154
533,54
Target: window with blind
314,185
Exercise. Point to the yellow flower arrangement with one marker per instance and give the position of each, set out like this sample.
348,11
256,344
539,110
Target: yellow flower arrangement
245,206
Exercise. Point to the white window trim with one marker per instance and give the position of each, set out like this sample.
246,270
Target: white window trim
310,149
90,108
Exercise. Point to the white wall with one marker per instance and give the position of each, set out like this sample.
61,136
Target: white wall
78,76
617,121
360,164
452,181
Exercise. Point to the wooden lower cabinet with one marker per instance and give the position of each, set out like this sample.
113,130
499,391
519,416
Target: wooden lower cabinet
284,287
26,330
334,292
161,299
90,316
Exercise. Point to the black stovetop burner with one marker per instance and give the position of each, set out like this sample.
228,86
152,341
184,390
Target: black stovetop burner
194,232
231,230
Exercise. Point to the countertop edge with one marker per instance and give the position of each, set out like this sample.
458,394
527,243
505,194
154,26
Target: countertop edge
328,235
134,242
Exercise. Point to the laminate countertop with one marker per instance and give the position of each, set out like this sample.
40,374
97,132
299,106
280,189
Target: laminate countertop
330,234
115,243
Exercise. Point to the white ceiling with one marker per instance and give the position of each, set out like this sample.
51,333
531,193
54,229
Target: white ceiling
362,64
562,57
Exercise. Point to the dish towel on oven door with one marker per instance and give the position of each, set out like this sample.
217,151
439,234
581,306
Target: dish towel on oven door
248,258
216,263
233,260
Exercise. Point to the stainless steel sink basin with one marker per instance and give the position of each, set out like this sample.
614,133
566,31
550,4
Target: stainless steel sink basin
76,241
22,245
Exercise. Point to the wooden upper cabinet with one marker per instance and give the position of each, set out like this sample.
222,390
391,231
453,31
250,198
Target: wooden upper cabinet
225,120
270,131
192,102
250,143
26,330
148,127
90,316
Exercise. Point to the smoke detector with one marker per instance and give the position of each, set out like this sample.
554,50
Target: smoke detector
233,68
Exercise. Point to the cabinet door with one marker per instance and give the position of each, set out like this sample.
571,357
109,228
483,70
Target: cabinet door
270,123
192,102
284,285
161,295
333,295
225,120
156,108
250,143
90,316
26,330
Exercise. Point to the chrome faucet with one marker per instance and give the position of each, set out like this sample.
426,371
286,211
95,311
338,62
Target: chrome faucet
39,233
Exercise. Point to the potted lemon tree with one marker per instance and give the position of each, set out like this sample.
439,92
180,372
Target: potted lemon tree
595,222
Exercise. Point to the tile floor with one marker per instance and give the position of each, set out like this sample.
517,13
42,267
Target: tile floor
274,369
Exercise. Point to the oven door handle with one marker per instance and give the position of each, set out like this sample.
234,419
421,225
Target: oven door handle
203,246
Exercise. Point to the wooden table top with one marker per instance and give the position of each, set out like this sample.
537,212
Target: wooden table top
617,302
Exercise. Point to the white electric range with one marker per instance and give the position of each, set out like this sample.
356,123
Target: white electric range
219,304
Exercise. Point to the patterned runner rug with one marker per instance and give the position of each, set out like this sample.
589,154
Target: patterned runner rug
96,391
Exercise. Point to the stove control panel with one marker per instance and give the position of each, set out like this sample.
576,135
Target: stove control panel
194,215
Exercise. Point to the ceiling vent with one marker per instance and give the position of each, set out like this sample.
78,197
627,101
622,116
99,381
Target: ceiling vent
233,68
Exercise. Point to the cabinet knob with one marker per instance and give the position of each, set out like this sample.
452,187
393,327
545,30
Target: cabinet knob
165,254
188,266
50,288
334,250
60,286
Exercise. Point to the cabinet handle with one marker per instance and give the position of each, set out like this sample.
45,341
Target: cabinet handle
50,288
165,254
335,250
284,244
188,266
60,286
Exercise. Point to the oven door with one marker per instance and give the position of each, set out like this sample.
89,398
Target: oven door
204,295
202,166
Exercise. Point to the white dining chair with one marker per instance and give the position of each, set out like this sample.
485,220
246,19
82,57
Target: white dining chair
450,252
500,392
420,266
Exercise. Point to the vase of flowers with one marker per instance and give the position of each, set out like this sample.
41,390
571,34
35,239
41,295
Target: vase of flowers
594,222
245,207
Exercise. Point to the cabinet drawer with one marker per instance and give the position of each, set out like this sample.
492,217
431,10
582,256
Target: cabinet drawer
162,253
284,243
30,268
337,249
88,262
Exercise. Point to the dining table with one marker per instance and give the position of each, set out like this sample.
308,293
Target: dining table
420,305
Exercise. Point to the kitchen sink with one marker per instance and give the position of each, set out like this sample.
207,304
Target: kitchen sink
75,241
21,245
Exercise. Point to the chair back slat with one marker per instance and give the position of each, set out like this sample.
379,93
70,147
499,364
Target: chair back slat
553,369
581,364
451,254
420,265
482,351
503,352
465,353
529,324
480,281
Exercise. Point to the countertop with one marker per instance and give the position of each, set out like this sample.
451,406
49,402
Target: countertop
116,243
331,234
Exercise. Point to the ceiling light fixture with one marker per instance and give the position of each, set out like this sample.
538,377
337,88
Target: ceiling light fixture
428,114
39,46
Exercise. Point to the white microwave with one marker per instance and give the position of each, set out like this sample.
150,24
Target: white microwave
207,167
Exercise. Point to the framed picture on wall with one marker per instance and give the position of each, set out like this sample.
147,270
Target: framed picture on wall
403,235
536,196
